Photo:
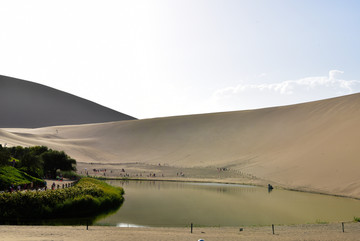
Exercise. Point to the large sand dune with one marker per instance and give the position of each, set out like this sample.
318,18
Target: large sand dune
313,146
27,104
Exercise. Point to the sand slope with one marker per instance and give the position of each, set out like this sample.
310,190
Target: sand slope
312,146
27,104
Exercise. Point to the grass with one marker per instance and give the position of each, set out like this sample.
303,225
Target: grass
12,176
87,199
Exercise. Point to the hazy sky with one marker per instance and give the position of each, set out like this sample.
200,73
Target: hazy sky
163,58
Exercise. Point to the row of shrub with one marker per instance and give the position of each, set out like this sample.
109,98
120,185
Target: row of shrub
89,197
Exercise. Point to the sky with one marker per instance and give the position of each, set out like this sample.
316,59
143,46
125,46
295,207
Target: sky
157,58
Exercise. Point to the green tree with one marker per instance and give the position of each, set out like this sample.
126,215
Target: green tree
4,156
17,151
54,160
32,165
30,160
38,150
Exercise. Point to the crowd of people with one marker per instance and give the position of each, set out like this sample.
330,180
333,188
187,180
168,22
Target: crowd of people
27,186
32,187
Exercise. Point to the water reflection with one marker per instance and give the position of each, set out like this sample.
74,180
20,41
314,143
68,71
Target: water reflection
83,221
154,203
129,225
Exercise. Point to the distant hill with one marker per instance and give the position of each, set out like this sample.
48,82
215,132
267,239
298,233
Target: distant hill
25,104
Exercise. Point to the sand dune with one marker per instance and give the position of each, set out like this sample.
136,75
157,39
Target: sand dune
27,104
312,146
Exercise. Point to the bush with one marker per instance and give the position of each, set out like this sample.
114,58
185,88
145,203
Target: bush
87,198
69,174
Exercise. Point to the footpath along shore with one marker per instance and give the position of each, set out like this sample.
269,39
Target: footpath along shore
60,184
331,231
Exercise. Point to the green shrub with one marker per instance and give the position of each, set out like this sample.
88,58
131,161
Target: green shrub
69,174
87,198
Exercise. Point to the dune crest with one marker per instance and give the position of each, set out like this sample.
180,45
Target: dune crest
31,105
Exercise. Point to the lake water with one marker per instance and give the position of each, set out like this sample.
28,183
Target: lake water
174,204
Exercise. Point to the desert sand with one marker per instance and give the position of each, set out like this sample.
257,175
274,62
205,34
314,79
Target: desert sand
310,147
299,232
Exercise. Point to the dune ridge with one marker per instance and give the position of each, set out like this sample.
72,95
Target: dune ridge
312,146
30,105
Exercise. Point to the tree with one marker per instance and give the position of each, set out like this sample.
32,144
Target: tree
32,165
29,157
17,151
54,160
4,156
38,150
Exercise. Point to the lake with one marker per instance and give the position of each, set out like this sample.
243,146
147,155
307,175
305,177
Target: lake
177,204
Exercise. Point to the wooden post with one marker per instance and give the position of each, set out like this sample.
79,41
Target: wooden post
191,227
342,224
87,225
272,225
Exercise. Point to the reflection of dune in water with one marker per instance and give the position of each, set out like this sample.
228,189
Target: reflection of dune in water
129,225
205,205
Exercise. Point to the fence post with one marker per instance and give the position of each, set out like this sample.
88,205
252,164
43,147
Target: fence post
342,224
273,230
191,227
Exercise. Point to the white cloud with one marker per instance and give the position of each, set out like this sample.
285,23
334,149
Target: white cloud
250,96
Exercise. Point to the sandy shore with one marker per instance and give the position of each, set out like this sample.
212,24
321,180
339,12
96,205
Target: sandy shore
298,232
143,171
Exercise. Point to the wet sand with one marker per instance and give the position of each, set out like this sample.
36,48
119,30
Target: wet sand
297,232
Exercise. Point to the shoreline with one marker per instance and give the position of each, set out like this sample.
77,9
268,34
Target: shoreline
192,174
331,231
220,182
